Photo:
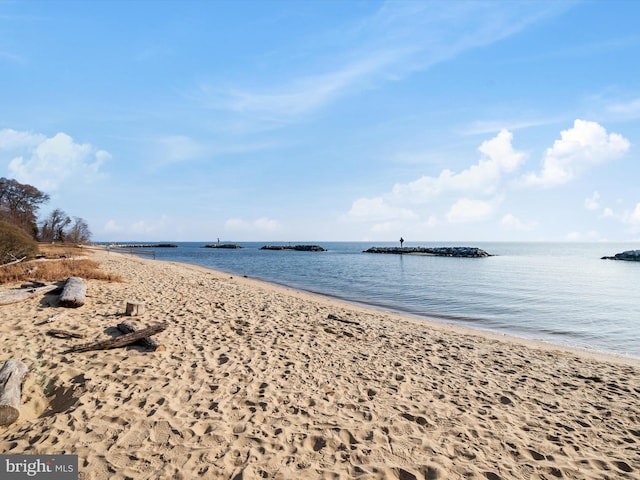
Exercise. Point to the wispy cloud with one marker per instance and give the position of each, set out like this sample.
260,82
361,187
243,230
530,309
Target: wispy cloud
12,57
630,109
171,149
399,39
308,93
483,127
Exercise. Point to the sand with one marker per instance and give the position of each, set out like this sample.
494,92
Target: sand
258,381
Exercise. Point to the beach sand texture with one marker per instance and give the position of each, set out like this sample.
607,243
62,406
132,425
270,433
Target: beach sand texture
258,381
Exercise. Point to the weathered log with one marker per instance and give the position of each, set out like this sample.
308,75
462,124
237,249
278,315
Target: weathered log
11,377
121,341
18,295
74,293
331,316
134,308
148,342
64,334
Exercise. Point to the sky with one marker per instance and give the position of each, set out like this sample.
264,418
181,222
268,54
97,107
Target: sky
298,120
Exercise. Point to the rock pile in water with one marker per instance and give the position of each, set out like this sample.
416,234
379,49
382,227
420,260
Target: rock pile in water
629,255
297,248
438,251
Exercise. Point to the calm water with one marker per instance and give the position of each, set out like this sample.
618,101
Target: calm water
556,292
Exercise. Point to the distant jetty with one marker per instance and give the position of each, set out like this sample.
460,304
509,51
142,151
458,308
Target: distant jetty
629,256
297,248
470,252
143,245
223,245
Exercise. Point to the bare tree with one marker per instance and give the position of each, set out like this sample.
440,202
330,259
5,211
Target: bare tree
19,204
53,227
78,232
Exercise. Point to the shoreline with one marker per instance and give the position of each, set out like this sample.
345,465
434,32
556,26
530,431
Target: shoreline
433,319
264,381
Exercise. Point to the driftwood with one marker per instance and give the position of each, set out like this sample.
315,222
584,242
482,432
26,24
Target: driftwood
134,308
121,341
331,316
16,295
11,377
13,263
53,318
64,334
150,343
74,293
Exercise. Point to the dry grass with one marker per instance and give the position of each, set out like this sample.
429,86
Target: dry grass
61,250
55,270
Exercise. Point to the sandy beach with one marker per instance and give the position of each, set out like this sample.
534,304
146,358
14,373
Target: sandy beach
258,381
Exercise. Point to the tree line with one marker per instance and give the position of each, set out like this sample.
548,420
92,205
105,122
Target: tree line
19,205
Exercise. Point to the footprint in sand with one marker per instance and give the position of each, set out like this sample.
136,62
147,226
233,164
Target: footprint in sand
160,432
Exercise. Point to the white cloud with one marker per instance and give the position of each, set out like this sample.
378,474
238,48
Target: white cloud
48,163
633,218
581,147
593,202
475,193
630,218
15,140
376,209
140,229
511,222
468,210
499,157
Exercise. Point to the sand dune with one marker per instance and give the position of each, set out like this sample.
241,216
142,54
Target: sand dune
258,381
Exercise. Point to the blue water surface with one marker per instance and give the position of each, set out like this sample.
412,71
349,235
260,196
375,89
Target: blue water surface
561,293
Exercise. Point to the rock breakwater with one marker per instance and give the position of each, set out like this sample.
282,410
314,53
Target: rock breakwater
297,248
470,252
629,256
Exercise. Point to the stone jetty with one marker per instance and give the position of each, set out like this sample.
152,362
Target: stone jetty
471,252
297,248
223,245
629,256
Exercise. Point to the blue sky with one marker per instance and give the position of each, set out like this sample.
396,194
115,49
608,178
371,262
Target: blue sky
327,120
